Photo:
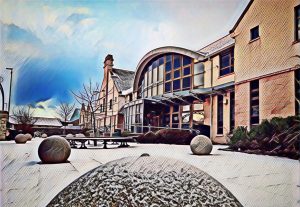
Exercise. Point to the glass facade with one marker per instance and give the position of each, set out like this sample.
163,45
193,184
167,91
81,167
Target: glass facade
133,117
170,73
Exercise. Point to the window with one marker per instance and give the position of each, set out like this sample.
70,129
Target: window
168,63
186,71
154,73
161,61
101,108
166,117
254,102
168,76
177,61
168,87
297,91
220,115
227,63
199,74
185,117
254,33
104,105
161,72
177,74
176,85
232,108
110,104
297,23
167,73
175,116
186,60
186,83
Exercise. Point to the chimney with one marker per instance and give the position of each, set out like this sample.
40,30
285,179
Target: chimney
108,62
108,65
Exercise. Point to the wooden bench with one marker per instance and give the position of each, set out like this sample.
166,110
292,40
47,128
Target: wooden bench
123,141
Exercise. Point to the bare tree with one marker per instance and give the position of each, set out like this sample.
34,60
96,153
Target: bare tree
65,110
24,115
24,118
89,96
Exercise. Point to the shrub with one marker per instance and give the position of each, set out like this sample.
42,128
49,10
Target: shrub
279,136
149,137
174,136
239,133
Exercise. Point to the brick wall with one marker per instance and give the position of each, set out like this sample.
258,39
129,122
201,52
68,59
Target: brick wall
277,96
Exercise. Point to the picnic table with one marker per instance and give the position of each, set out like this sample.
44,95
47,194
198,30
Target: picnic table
123,141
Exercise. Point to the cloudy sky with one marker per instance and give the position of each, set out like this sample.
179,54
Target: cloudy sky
56,46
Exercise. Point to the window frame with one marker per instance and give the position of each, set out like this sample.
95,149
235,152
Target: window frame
296,23
175,113
220,115
254,97
297,91
252,30
229,52
110,104
197,74
232,111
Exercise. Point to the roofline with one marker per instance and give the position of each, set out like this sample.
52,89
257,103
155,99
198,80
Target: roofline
241,17
212,43
221,50
161,50
123,69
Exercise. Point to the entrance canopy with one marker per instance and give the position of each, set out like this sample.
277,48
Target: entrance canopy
188,96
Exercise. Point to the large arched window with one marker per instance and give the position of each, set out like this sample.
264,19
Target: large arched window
169,73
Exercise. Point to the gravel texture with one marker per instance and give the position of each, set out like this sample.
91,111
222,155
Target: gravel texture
145,181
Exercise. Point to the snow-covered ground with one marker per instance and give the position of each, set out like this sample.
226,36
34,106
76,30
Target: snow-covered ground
255,180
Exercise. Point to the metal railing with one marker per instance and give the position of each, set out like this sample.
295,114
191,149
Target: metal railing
156,128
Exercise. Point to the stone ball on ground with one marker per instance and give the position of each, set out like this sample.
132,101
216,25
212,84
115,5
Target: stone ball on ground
79,135
28,136
20,139
201,145
44,135
69,135
54,150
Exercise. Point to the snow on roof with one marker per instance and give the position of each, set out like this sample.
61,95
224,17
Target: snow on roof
123,79
128,91
41,121
218,45
71,127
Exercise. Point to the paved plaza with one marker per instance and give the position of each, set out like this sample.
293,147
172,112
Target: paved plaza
255,180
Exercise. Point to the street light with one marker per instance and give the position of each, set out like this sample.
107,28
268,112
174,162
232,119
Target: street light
10,83
2,92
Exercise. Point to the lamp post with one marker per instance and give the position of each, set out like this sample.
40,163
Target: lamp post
2,92
10,84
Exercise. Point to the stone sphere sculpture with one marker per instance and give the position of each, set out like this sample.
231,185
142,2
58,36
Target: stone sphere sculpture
54,150
201,145
20,139
79,135
28,136
44,135
69,135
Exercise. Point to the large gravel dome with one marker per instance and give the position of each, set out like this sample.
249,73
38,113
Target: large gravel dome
145,181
